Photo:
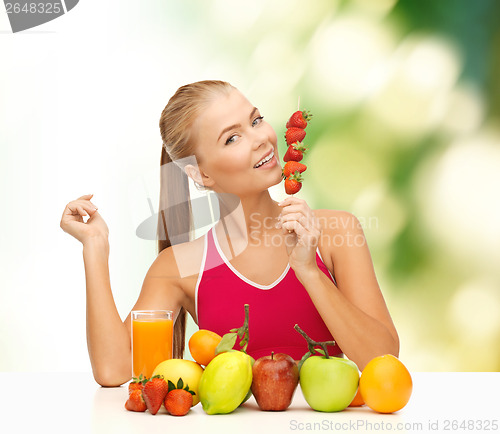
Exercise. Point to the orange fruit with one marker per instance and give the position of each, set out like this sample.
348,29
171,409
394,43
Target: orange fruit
358,400
202,346
385,384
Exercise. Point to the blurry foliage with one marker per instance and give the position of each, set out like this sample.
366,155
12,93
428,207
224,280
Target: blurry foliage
394,86
473,26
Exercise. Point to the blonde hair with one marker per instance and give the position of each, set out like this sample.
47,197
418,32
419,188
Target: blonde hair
176,123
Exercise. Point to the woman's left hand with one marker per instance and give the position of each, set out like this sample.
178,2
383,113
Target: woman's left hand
302,233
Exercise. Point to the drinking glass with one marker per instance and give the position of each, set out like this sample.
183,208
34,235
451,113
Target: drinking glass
152,337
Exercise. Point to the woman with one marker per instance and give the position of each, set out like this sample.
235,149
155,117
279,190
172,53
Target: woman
291,265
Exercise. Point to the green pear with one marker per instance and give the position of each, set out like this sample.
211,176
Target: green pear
249,394
225,382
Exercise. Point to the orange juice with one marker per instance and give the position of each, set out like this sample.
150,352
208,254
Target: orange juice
152,333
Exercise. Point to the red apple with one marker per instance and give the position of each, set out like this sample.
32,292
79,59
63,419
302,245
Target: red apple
274,380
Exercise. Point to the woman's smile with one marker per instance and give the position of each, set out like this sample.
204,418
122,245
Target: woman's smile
267,162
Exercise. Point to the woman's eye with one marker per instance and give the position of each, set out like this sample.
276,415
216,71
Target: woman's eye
257,121
231,139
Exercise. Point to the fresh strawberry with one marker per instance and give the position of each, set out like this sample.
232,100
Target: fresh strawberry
294,134
154,393
299,119
295,152
293,183
178,402
136,384
293,167
135,401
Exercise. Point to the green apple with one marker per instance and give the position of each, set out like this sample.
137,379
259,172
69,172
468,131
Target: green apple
329,384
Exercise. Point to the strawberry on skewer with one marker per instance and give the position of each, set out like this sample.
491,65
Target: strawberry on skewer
295,152
293,184
294,134
293,167
299,119
294,137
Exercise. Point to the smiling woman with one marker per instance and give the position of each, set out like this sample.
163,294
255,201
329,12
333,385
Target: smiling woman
212,134
231,139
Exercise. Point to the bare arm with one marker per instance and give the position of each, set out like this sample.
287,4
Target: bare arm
355,312
108,337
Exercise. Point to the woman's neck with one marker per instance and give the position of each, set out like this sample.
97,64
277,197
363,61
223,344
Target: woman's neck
242,218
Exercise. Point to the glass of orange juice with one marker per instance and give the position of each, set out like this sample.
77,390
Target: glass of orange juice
152,336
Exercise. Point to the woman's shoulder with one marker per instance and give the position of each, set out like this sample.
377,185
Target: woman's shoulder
184,259
339,229
337,221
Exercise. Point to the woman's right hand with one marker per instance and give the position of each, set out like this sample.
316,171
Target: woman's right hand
72,220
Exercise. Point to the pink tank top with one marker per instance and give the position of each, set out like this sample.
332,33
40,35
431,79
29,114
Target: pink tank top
221,293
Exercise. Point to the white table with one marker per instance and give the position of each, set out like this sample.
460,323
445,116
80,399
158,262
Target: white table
74,403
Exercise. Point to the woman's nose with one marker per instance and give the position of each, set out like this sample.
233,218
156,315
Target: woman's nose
259,138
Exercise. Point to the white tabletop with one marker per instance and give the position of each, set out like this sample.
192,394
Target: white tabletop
74,403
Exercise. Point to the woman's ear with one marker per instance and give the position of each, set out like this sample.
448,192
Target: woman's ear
198,176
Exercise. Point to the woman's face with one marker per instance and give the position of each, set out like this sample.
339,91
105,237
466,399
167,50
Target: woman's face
237,149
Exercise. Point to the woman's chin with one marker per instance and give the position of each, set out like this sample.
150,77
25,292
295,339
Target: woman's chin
278,180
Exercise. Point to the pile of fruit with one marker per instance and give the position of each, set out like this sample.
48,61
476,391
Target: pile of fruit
230,377
294,136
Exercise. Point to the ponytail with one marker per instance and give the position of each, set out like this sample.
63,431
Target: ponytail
175,223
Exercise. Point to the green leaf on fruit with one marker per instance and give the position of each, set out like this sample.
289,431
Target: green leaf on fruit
319,350
141,379
227,343
180,384
171,386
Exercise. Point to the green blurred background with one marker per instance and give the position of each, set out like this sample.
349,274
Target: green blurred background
405,135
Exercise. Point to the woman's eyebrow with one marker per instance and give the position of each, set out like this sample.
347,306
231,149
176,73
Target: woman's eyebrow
225,130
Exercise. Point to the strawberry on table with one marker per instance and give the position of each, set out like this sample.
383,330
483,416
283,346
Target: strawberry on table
294,134
295,152
293,167
178,402
136,384
299,119
135,401
154,392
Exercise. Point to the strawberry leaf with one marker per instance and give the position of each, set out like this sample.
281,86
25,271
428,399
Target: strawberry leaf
171,386
180,384
140,379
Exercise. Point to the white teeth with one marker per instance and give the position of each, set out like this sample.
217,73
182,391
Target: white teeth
265,160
